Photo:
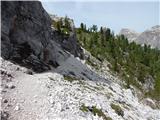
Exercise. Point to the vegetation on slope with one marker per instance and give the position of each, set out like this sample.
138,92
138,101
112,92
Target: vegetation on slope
62,26
117,109
133,62
95,111
69,78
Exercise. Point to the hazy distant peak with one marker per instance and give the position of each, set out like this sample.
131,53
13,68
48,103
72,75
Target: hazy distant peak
157,27
128,30
150,36
130,34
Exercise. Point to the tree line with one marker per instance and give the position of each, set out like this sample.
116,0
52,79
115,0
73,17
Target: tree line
133,62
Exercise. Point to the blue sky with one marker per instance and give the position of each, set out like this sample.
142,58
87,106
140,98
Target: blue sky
138,16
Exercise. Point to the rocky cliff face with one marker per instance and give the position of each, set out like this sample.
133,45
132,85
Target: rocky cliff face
29,40
68,43
149,37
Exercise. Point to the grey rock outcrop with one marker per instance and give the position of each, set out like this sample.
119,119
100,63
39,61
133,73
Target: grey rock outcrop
149,37
68,43
28,39
149,84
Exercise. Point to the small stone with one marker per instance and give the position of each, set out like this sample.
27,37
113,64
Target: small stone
67,107
4,115
4,91
62,110
22,101
35,101
17,69
16,108
35,96
29,72
149,102
5,101
6,86
11,86
49,94
9,75
51,101
9,105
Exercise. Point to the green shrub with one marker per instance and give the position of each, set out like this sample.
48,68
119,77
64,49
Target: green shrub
63,29
95,111
117,109
84,108
91,64
100,113
69,78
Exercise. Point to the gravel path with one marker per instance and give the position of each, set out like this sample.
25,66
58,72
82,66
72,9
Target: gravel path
48,96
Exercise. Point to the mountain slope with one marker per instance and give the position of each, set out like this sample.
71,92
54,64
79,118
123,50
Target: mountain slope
149,37
43,77
137,65
50,95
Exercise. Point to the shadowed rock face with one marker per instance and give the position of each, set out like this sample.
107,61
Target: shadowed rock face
69,42
27,37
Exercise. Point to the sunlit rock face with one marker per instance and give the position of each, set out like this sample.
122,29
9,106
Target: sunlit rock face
149,37
130,34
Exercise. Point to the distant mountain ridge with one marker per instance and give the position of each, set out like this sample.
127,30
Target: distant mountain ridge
150,36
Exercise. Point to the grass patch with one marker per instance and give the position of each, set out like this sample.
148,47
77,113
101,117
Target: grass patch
94,111
81,82
98,88
108,95
89,62
87,87
84,108
70,78
117,109
99,112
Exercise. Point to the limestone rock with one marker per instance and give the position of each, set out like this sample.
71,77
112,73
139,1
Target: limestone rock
29,40
149,37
